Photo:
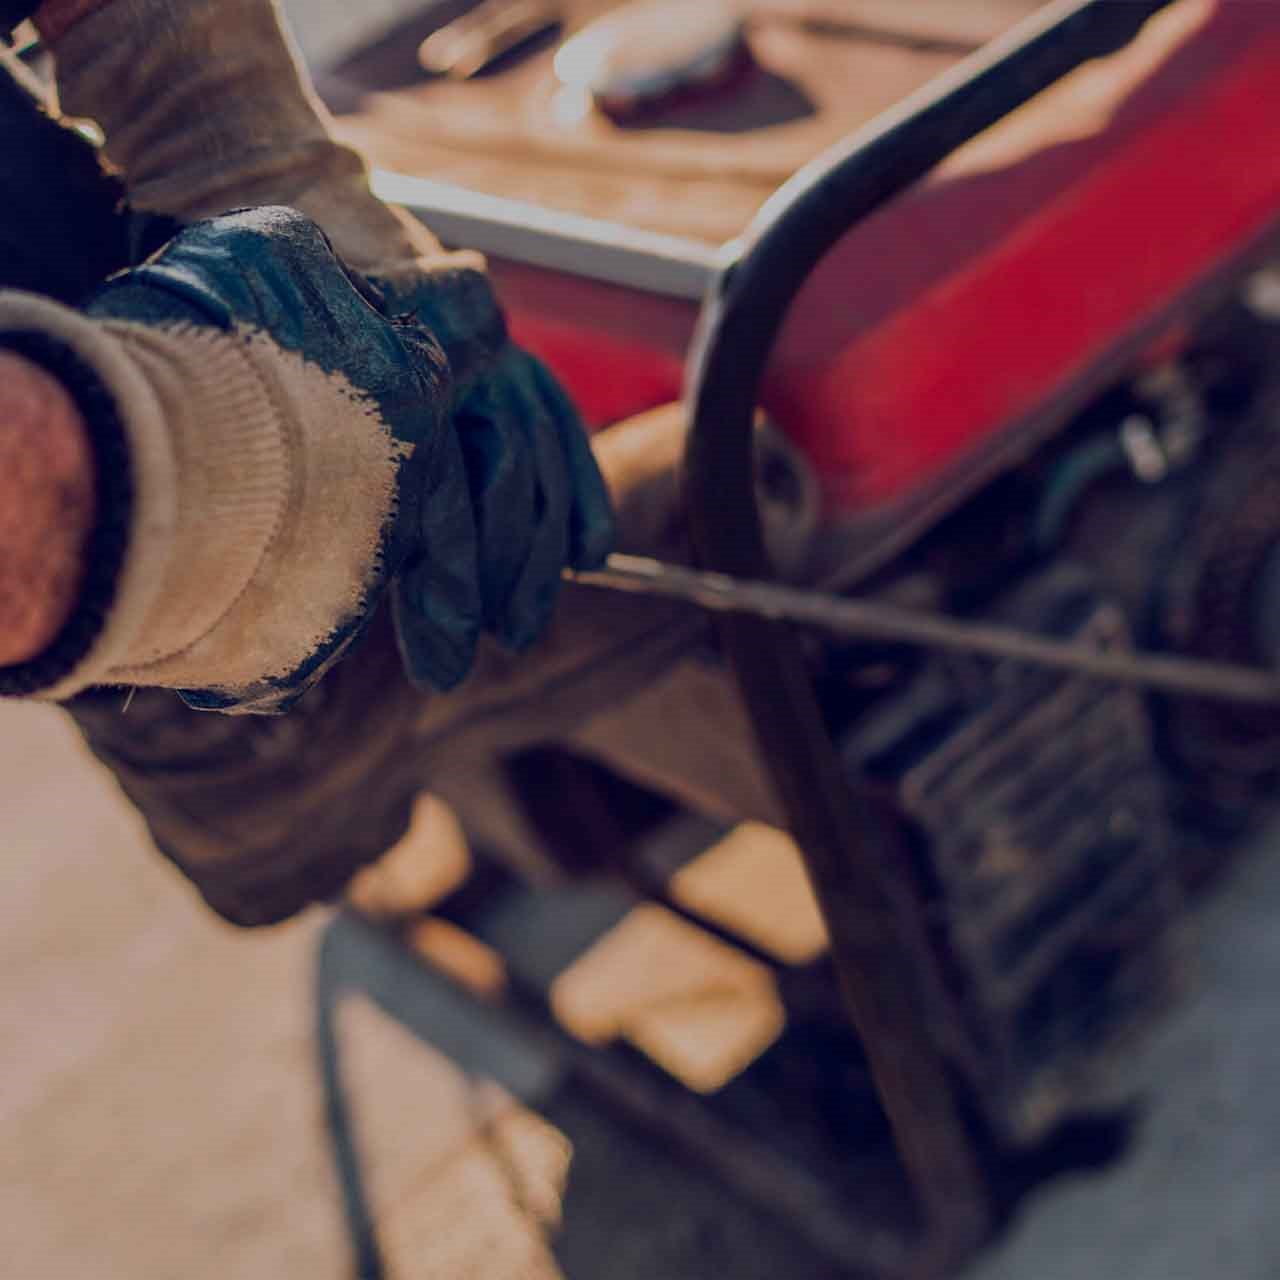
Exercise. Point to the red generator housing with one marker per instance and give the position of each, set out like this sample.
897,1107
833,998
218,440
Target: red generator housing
1007,292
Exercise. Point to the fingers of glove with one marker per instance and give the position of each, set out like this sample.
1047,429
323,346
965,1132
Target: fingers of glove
436,594
437,622
458,306
531,600
503,484
591,520
416,407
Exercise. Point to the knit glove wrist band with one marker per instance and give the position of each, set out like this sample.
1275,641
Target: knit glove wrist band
243,458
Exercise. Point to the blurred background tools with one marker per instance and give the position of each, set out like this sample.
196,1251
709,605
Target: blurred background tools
485,34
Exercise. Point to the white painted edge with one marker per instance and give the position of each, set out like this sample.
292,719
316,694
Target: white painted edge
669,266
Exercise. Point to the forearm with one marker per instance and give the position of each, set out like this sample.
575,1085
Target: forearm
47,507
205,108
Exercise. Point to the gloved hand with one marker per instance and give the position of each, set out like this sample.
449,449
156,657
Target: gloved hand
530,521
258,135
289,454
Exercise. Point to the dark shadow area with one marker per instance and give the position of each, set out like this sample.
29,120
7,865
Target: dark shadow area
839,28
665,1217
391,61
1089,1143
636,1206
750,99
662,1181
1086,1145
754,99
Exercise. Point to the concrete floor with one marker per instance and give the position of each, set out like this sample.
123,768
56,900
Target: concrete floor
1197,1196
158,1111
159,1117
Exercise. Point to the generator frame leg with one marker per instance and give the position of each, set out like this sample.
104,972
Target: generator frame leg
872,912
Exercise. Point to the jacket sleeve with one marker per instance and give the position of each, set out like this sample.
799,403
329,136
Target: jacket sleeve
206,107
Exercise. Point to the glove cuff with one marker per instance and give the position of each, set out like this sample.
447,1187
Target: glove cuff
261,485
207,479
288,547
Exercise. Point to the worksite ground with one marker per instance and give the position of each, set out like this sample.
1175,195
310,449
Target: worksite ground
159,1115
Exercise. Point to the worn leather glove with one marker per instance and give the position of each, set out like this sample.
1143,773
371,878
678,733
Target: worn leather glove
530,521
289,455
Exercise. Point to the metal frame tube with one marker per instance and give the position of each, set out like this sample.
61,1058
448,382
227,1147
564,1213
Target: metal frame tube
872,916
670,266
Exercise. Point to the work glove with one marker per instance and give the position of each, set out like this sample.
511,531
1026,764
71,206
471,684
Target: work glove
506,405
289,456
204,107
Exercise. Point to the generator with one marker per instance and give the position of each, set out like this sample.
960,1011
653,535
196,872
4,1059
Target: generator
1003,275
1003,279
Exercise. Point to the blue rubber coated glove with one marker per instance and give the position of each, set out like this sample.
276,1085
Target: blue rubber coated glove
538,497
272,271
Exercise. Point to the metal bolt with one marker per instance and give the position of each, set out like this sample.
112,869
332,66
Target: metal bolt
1262,294
1142,446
